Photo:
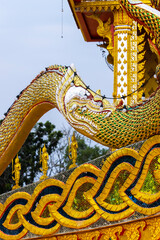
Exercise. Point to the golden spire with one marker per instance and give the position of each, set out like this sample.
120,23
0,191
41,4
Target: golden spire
44,160
16,171
73,151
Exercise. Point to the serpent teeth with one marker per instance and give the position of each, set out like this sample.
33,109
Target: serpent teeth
84,109
87,93
108,114
73,107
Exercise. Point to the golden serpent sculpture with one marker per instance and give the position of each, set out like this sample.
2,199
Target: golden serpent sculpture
60,87
86,111
81,107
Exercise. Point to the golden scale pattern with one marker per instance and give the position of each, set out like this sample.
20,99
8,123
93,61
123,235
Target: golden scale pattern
120,129
42,90
117,130
144,17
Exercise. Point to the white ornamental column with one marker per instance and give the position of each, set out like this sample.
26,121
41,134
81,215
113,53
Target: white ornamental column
122,54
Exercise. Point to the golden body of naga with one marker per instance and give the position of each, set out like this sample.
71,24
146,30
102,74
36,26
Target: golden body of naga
82,109
120,188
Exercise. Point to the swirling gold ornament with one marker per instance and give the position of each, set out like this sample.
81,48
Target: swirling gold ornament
60,197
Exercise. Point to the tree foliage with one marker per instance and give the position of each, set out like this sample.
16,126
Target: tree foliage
57,147
85,152
42,133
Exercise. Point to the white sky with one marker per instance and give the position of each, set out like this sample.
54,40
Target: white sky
30,40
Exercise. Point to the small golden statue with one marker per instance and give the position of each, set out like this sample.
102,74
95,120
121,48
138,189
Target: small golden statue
16,171
73,151
44,160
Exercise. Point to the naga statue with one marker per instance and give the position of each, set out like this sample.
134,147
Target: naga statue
87,111
127,183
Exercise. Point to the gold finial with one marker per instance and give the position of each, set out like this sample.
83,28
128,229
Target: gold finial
73,151
16,171
44,160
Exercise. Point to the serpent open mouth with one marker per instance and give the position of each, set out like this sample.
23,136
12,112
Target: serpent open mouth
80,103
